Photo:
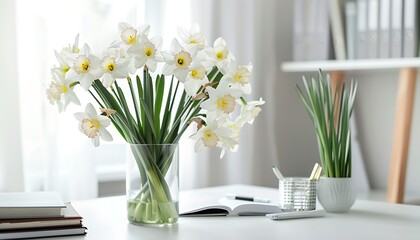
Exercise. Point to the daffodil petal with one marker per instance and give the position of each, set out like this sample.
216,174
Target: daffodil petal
105,135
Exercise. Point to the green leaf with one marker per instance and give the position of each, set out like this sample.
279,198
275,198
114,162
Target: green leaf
160,87
149,117
136,107
141,96
334,141
166,116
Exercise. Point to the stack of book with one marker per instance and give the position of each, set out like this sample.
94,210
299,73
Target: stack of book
38,214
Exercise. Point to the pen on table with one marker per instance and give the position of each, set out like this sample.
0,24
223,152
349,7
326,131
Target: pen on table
316,172
277,172
247,198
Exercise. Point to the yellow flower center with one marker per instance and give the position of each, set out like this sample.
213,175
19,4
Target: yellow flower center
242,75
91,127
198,73
66,69
194,73
220,55
129,36
148,52
82,64
110,67
183,60
226,103
221,52
209,138
193,41
237,78
64,88
149,49
108,64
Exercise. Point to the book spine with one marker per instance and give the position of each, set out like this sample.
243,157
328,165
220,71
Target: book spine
361,29
313,36
373,18
396,28
299,31
336,19
410,36
384,28
351,29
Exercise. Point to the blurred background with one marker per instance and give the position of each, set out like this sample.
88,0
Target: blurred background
41,149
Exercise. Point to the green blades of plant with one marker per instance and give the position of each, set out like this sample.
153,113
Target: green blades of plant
148,101
194,110
160,88
96,99
141,96
333,131
131,135
112,120
148,90
348,171
181,105
218,77
305,102
334,150
353,90
106,96
167,115
174,95
130,119
178,120
149,119
345,129
136,104
110,102
212,73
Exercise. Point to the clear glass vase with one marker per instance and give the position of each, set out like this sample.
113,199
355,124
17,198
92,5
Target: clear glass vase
152,183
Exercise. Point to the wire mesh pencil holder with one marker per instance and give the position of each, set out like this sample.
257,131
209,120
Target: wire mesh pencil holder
297,194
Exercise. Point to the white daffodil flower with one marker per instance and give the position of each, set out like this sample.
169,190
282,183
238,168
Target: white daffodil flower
60,92
222,100
238,77
64,65
219,55
93,125
64,57
209,136
178,60
193,37
196,78
113,68
130,35
251,110
231,143
146,52
74,48
85,68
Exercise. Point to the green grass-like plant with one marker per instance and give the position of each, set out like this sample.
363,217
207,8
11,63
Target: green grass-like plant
330,113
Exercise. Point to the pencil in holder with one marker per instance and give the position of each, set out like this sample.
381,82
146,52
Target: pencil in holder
297,194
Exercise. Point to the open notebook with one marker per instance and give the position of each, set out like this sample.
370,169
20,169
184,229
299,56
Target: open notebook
214,203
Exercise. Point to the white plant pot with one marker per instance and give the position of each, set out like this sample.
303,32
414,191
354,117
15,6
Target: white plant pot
336,195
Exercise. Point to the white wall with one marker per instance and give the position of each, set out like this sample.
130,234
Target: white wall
374,111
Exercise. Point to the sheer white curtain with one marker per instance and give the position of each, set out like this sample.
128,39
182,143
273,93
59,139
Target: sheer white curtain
41,149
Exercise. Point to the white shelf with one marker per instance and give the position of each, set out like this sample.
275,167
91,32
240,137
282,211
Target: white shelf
351,65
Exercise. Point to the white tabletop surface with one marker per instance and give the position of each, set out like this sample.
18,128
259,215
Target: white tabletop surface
105,218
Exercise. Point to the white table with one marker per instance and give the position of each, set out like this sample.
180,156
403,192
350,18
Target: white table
105,218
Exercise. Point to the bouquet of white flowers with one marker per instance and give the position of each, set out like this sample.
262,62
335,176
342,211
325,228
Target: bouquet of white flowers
205,88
